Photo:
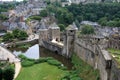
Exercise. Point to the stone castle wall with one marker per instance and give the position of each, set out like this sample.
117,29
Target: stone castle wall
113,43
98,58
115,71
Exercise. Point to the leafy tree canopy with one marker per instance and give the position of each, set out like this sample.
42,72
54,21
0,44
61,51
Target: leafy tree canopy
87,29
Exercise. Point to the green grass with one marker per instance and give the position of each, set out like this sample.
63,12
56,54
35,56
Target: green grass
1,39
115,53
86,72
42,71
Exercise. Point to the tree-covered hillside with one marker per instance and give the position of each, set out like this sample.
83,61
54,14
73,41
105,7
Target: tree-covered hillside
105,13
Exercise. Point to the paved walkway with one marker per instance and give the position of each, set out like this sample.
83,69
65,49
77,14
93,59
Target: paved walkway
17,69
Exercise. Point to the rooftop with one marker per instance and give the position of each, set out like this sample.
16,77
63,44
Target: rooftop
54,26
71,27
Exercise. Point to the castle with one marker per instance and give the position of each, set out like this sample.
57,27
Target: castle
49,37
89,48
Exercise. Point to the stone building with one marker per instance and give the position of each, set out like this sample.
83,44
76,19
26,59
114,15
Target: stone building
49,34
69,38
114,41
54,32
43,33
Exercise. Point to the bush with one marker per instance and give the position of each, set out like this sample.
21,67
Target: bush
40,60
27,63
22,57
50,58
62,67
43,60
66,77
72,75
9,73
87,29
54,62
1,74
30,59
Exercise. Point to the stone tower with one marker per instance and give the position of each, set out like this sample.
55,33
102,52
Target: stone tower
69,38
43,34
54,32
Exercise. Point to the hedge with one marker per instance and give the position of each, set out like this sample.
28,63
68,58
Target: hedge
54,62
27,63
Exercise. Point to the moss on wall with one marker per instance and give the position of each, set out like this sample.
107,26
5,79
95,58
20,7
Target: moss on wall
86,72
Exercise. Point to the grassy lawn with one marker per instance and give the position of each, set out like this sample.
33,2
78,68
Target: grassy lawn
115,53
86,72
42,71
1,39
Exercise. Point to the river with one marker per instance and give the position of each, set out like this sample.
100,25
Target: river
42,53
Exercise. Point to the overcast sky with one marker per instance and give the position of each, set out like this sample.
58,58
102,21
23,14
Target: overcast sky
11,0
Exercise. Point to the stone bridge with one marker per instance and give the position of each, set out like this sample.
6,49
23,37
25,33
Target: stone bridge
20,42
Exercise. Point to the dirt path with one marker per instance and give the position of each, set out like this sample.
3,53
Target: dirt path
17,69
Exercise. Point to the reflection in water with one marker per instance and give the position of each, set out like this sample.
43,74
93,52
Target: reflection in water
43,53
32,52
47,53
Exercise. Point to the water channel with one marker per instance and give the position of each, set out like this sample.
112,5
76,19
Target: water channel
42,53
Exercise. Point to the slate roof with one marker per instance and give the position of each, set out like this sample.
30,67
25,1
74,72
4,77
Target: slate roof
54,26
72,27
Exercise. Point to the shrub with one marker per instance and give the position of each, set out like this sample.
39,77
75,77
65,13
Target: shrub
9,73
54,62
27,63
62,67
41,60
30,59
1,74
22,57
87,29
72,75
50,58
66,77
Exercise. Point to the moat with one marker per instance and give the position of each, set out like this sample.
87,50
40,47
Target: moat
45,53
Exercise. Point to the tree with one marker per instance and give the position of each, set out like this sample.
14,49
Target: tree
3,17
79,18
19,34
22,35
87,29
103,21
1,74
47,1
8,37
102,12
62,27
111,23
16,33
9,73
35,18
43,13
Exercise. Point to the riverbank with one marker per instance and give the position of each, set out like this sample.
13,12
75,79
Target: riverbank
85,71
